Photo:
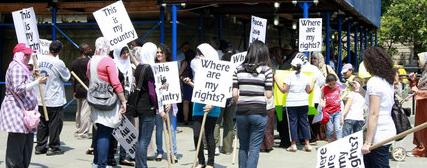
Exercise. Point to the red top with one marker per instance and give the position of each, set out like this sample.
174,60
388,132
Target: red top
107,71
332,97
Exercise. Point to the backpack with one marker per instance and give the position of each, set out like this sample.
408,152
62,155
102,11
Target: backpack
400,119
139,99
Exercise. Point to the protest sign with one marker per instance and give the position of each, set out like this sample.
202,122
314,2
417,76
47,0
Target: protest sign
213,82
44,46
239,58
167,79
115,24
25,23
310,34
344,152
258,29
127,136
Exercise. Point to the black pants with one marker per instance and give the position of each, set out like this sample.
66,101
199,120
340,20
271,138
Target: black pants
209,134
315,128
283,129
50,129
19,149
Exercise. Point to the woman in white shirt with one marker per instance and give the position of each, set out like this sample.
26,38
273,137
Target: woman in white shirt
379,98
297,86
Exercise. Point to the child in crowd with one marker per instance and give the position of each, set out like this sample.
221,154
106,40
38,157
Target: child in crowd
352,117
332,106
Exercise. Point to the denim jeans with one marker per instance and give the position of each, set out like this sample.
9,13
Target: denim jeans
250,130
146,127
377,158
334,126
351,126
172,119
159,134
103,136
298,121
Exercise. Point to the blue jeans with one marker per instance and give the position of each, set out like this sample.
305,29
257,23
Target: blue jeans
298,120
103,135
250,130
172,119
334,126
377,158
159,134
146,127
351,126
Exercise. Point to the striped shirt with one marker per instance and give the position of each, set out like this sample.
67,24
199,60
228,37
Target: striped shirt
252,87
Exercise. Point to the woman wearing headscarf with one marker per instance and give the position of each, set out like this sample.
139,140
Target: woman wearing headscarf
318,60
19,96
420,88
147,102
102,70
204,51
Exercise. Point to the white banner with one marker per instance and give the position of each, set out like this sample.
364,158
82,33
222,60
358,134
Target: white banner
44,46
345,152
310,34
213,82
239,58
167,79
127,136
258,29
115,24
25,23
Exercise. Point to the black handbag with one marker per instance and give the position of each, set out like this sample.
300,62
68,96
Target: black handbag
135,95
400,119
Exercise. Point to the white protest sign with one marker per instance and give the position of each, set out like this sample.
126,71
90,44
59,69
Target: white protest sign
258,29
239,58
166,74
44,46
115,24
25,23
345,152
213,82
127,136
310,34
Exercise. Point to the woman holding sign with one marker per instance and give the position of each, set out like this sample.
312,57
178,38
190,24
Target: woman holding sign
252,87
204,51
379,98
163,55
19,97
298,86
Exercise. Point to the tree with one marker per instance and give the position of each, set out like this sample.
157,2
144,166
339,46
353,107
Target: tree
405,22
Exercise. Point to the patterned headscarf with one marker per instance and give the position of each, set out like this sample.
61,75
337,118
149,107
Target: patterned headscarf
422,83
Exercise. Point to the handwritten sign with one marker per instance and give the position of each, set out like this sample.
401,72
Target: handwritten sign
239,58
345,152
166,75
310,34
115,24
44,46
258,29
214,80
127,136
25,23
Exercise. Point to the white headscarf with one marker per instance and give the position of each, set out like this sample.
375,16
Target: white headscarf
208,51
147,53
124,67
101,46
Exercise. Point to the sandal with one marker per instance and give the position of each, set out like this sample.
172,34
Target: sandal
200,166
307,148
292,148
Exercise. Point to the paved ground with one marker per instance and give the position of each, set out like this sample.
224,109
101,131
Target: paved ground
75,156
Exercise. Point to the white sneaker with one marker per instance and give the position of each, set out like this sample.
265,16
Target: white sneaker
217,151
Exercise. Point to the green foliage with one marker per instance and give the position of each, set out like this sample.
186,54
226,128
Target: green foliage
405,21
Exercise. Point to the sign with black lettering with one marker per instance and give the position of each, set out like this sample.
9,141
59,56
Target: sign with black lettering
127,136
167,80
212,82
345,152
239,58
258,29
44,46
310,34
25,23
115,24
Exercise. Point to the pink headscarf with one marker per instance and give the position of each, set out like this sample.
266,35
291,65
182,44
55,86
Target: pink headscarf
20,58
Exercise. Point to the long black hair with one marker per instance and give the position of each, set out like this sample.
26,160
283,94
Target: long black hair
257,55
379,63
166,52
